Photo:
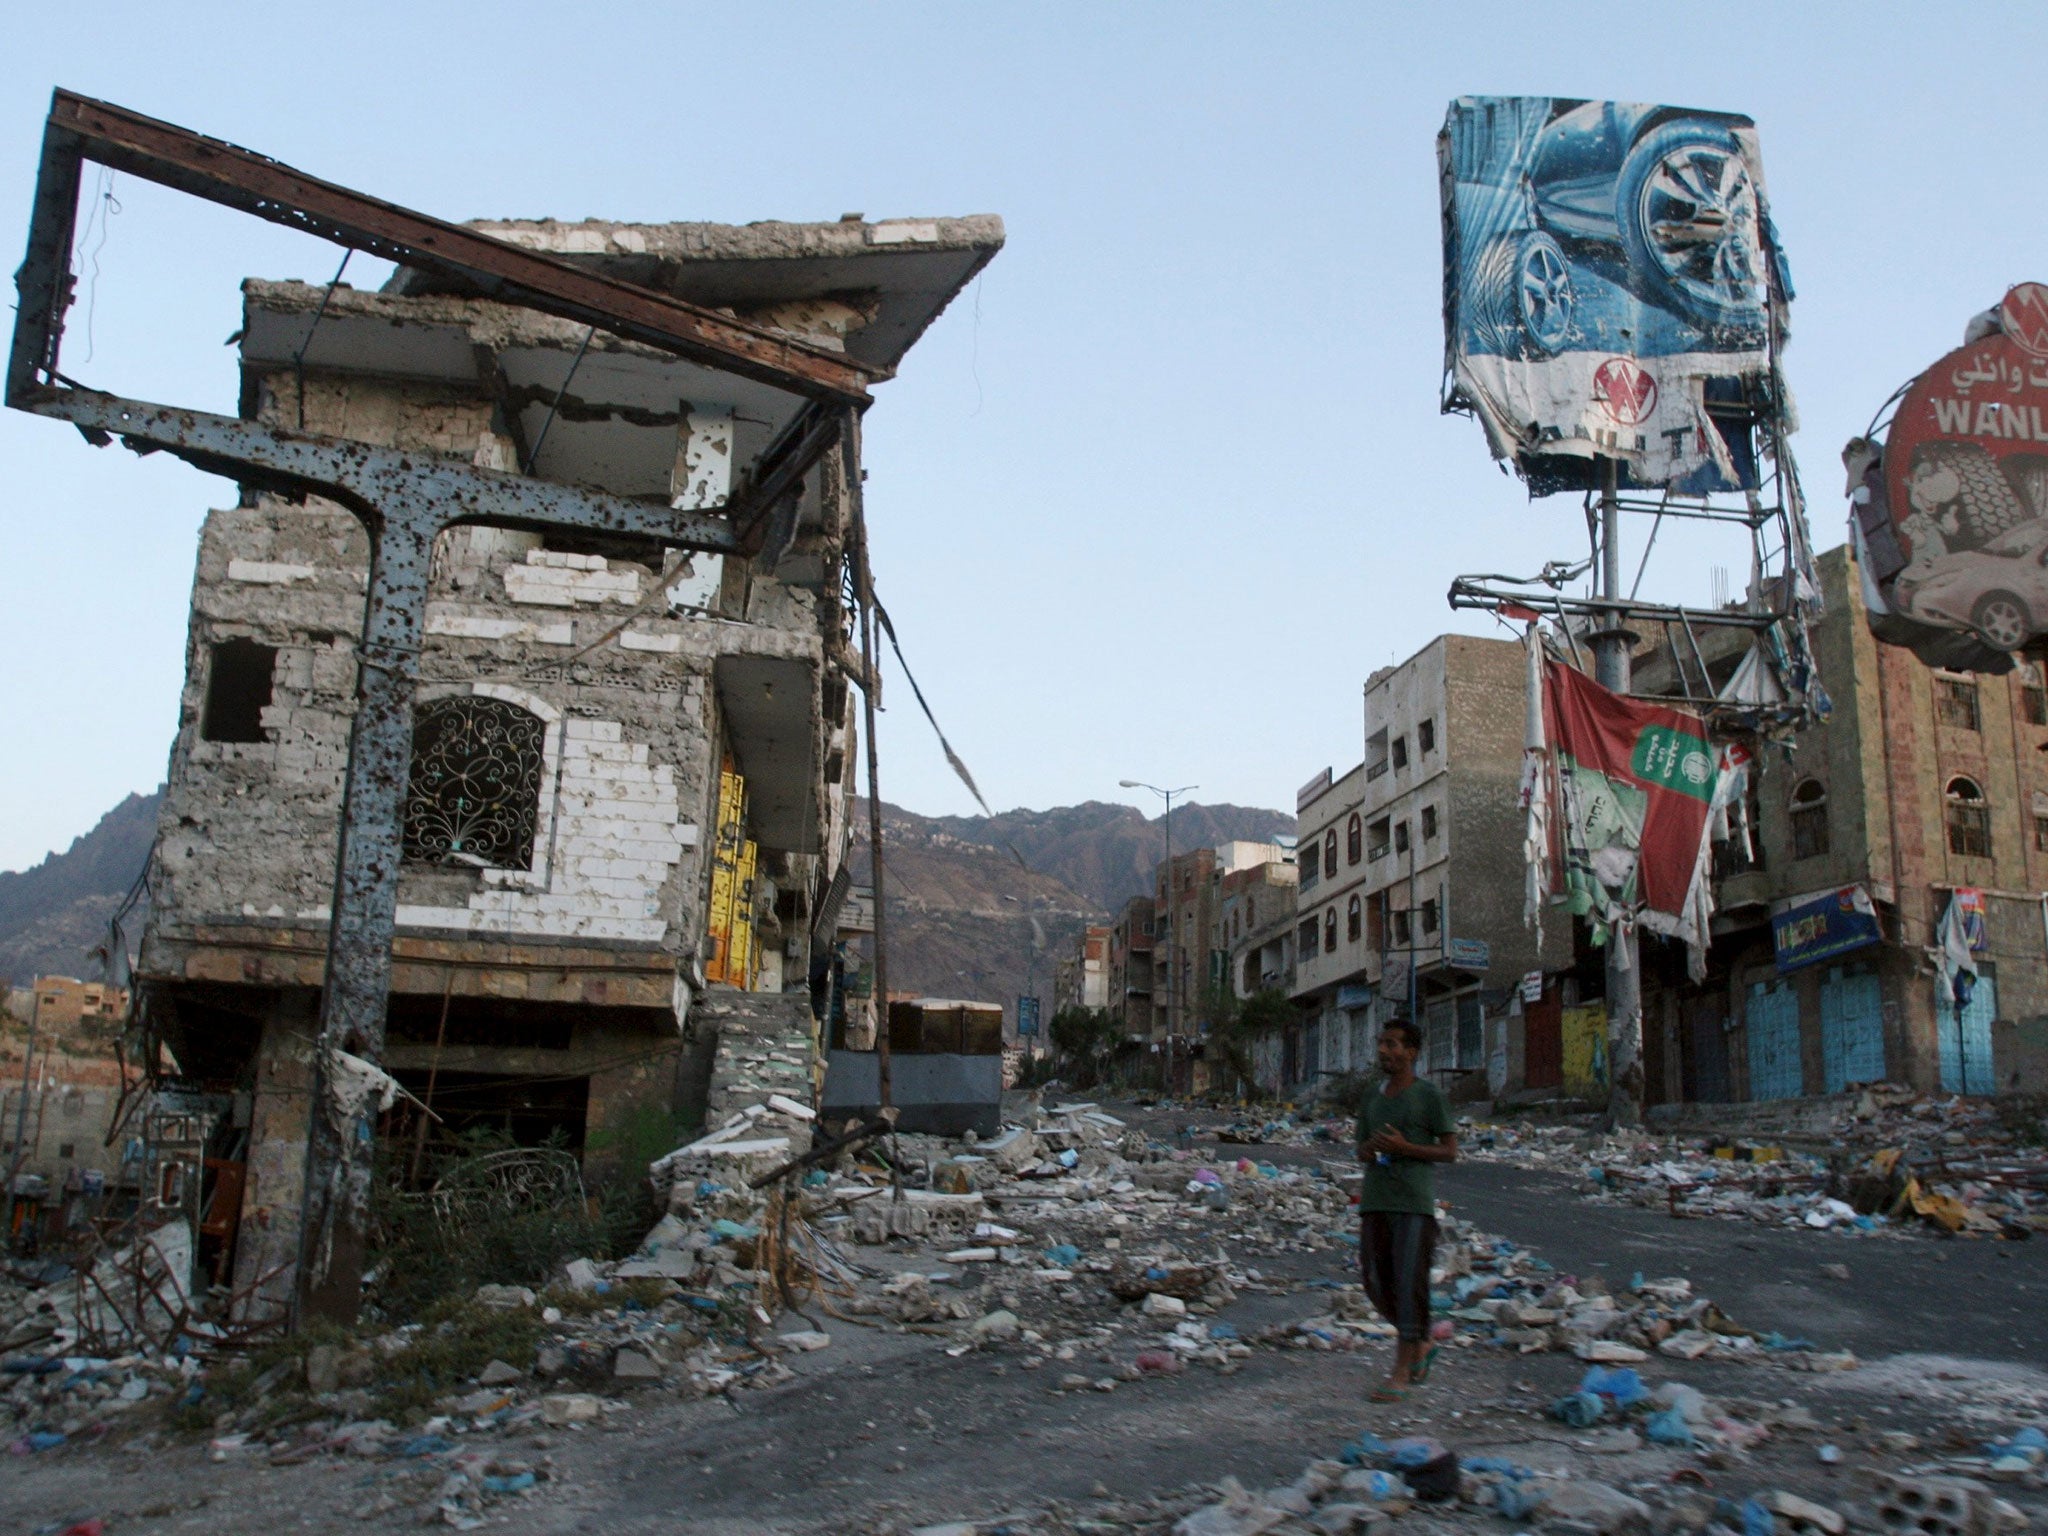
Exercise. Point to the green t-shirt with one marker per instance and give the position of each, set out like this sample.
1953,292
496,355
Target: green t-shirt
1421,1113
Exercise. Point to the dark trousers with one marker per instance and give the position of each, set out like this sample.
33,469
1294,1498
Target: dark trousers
1395,1248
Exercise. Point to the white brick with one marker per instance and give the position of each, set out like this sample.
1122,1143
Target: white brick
635,640
594,730
663,853
435,917
526,701
521,587
469,627
269,573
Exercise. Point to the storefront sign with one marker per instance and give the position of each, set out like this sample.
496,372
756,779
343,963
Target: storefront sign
1809,929
1471,954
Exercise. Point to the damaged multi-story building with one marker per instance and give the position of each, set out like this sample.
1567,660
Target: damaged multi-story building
631,772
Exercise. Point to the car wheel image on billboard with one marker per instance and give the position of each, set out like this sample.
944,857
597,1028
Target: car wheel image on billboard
1951,511
1688,212
1583,237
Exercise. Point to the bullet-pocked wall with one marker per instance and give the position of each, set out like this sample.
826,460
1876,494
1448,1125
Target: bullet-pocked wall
569,735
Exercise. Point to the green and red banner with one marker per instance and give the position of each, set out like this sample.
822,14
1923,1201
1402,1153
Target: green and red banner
1634,785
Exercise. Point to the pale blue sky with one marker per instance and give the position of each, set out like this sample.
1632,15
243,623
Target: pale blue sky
1153,498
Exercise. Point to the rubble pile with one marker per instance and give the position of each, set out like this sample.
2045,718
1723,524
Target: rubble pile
1881,1162
1669,1447
1071,1241
1374,1482
1079,1241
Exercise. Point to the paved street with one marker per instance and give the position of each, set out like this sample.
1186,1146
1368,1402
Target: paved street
1978,1299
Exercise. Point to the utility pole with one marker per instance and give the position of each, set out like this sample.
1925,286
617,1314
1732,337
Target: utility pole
1611,669
1172,969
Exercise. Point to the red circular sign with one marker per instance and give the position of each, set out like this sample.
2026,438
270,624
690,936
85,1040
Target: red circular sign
1625,391
2024,317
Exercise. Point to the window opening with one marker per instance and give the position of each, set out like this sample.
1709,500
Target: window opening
1400,751
1969,820
1330,930
1955,703
1330,850
2033,694
1809,819
1400,837
1382,838
1429,916
1428,822
1354,920
1305,937
238,674
1354,840
1425,737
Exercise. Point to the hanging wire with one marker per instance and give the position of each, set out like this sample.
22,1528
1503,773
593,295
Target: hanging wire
105,207
533,457
299,357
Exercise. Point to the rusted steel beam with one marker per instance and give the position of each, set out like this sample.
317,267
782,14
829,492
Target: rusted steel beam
43,280
367,478
780,471
79,127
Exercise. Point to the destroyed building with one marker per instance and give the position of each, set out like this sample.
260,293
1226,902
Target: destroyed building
630,774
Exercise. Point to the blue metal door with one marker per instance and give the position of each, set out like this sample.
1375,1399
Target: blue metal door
1966,1047
1773,1020
1851,1027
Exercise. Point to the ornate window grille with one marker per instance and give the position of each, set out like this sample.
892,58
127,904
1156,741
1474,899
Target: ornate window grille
474,799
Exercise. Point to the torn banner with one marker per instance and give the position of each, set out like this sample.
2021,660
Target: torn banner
1612,283
1634,788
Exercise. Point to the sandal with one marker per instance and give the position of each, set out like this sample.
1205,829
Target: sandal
1389,1394
1421,1369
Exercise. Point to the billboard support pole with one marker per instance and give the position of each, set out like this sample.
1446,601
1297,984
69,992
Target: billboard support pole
1611,663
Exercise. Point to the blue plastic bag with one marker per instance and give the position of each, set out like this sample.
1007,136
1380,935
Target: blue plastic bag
1516,1500
1620,1386
1581,1410
1362,1450
1669,1428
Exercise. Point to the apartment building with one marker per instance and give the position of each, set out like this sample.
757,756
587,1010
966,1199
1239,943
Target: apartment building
1081,979
1130,969
1335,957
1255,918
1923,787
1442,884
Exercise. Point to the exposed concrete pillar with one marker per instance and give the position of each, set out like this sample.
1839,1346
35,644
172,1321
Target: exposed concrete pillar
280,1118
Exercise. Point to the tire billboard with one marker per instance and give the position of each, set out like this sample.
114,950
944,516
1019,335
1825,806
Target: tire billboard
1951,509
1613,289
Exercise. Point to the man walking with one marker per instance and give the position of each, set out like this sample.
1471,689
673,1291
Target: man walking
1404,1128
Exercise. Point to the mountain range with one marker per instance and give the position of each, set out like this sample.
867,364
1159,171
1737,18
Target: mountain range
53,916
978,906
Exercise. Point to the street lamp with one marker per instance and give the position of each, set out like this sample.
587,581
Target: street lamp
1172,950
